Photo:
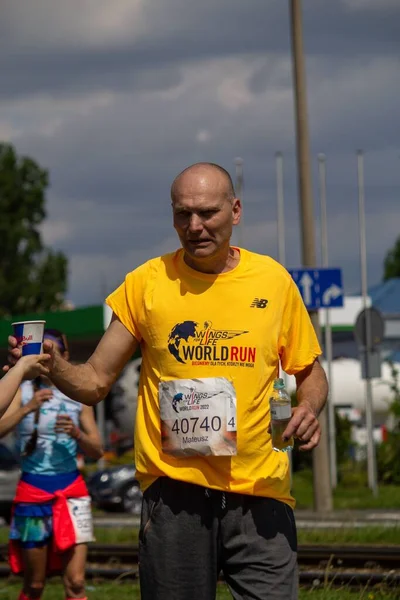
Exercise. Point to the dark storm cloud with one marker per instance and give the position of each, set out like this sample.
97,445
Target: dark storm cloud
177,33
115,109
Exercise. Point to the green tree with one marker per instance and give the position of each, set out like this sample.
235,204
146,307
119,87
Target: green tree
32,278
392,262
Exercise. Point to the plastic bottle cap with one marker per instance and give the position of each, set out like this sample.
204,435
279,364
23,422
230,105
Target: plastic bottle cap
279,384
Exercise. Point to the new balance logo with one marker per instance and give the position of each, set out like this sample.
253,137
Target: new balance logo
259,303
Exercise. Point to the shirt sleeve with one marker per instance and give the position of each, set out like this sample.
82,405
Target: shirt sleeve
298,342
127,300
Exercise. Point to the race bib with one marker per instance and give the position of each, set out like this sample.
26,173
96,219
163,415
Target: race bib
198,417
81,517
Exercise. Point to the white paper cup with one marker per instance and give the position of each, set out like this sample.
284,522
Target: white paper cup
29,336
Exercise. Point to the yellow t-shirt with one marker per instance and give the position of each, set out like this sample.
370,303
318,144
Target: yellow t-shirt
236,325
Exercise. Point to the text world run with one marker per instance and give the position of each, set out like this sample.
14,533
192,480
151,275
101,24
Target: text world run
220,353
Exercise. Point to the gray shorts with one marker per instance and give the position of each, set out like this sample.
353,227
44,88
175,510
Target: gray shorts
189,534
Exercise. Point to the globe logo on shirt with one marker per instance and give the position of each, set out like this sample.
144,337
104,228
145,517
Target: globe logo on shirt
181,331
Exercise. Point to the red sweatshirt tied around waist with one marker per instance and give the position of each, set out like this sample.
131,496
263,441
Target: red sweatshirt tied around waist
63,530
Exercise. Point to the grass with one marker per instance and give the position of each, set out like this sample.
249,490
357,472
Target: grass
95,591
363,535
351,493
116,535
103,535
130,591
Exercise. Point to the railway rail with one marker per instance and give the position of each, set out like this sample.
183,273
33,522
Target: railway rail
338,565
344,556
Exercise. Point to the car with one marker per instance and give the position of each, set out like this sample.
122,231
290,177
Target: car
9,477
116,488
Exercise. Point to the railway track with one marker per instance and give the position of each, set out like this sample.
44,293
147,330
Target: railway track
376,557
338,565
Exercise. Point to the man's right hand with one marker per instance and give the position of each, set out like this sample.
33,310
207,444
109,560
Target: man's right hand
42,395
15,352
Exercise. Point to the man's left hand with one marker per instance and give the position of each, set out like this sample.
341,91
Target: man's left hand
303,426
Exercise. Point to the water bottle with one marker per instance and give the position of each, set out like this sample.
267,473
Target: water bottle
61,435
281,412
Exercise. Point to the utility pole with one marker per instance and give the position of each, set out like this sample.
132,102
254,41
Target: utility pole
328,328
239,194
321,474
280,208
369,411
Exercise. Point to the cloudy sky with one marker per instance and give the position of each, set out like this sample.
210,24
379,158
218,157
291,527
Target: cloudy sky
115,98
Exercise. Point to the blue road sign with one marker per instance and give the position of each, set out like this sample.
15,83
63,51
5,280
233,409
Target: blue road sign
320,288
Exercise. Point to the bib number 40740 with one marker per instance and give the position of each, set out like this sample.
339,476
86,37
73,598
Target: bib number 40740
189,425
198,417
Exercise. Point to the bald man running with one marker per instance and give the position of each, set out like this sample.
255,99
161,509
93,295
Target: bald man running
213,323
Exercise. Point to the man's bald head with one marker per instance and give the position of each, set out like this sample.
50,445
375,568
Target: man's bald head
204,209
203,176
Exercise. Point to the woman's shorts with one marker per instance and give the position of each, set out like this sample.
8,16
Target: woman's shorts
32,525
